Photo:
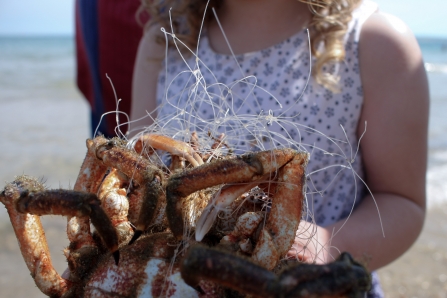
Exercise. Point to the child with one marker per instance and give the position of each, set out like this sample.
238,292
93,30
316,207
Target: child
368,82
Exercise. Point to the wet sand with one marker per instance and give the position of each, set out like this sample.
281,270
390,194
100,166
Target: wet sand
46,139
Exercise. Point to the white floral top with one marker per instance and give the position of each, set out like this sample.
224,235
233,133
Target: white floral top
268,99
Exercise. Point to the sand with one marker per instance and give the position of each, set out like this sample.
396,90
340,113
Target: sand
422,271
54,149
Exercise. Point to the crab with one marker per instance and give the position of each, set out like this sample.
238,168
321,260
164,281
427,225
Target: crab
205,226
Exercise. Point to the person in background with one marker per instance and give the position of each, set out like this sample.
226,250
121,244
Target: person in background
367,68
107,38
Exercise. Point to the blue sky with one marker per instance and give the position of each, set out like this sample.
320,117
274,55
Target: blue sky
55,17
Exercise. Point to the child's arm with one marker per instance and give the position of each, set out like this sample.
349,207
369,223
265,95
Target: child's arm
145,77
394,148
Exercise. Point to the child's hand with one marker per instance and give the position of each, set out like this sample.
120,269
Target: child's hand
312,244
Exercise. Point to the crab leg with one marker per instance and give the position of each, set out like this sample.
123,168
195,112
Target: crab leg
115,155
170,145
89,179
244,169
229,270
31,237
342,278
71,203
285,214
92,172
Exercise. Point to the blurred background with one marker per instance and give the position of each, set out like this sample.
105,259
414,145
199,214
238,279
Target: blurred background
44,122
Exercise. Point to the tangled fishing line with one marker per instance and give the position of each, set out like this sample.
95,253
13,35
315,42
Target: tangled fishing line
211,109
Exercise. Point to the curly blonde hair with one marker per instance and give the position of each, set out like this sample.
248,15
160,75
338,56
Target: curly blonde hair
327,27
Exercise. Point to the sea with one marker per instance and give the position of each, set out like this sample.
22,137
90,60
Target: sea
45,120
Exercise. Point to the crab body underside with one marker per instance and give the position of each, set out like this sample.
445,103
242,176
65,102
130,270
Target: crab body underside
146,215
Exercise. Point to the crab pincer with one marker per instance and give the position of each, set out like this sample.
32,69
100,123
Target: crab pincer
71,203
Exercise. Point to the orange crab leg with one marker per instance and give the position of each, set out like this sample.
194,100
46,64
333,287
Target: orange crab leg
90,177
128,162
285,214
31,237
92,172
170,145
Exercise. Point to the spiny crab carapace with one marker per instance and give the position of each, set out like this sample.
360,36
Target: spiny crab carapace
149,219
